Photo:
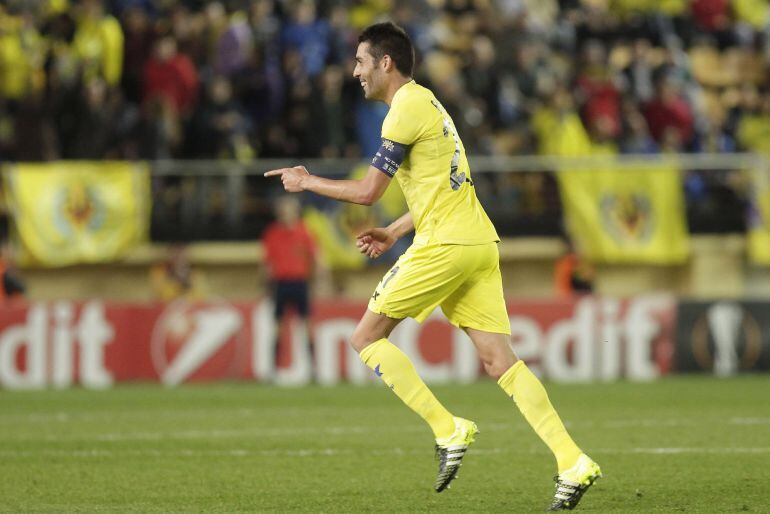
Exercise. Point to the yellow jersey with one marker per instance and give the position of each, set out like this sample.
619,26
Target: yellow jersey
434,175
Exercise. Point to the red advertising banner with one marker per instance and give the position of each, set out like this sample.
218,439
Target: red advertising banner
96,343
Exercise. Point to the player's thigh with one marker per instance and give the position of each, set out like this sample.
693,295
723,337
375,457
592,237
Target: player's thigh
372,327
420,280
479,303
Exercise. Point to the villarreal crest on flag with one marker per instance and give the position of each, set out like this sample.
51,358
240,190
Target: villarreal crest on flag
626,215
77,212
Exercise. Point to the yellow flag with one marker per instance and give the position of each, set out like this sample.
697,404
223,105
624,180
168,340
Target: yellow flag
626,215
759,218
66,213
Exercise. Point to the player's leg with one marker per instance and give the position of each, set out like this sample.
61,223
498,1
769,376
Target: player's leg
577,472
453,435
397,371
518,382
479,308
421,279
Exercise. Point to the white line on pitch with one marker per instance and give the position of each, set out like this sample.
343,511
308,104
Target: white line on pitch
226,433
331,452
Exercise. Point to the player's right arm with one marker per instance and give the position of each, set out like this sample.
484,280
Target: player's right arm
365,191
401,128
376,241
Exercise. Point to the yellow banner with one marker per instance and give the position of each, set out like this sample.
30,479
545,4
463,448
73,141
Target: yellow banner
626,215
759,218
67,213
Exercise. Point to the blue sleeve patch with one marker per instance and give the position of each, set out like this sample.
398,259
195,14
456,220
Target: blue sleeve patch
389,157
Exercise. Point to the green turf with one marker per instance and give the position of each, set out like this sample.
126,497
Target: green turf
685,444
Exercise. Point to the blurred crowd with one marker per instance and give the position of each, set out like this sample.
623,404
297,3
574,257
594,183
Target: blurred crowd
240,79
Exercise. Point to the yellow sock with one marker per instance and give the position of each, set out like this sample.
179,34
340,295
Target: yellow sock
530,396
398,373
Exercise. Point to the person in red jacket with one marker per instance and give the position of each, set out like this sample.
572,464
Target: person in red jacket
290,258
171,76
669,116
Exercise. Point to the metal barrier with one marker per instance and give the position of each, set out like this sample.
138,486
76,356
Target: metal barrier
229,200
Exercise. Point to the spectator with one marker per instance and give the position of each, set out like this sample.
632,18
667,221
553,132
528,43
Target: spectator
637,138
558,127
94,136
99,43
157,133
639,71
171,77
482,78
333,112
12,286
234,46
219,129
34,134
21,57
175,278
496,66
669,116
754,127
573,275
711,15
309,36
136,50
597,92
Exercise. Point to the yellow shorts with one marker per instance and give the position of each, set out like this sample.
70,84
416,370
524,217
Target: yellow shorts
464,280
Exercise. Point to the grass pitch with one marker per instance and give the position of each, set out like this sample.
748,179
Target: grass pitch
686,444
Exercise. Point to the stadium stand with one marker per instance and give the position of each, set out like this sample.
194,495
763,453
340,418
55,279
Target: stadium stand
240,80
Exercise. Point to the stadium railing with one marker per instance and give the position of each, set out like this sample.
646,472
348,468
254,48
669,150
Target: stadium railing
230,200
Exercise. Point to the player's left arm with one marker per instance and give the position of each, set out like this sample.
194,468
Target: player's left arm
364,191
374,242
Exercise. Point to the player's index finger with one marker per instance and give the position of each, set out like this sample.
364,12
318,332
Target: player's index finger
273,173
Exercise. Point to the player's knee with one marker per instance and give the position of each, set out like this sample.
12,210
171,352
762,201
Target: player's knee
497,363
495,369
360,340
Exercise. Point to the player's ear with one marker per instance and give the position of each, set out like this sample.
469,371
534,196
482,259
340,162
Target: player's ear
386,62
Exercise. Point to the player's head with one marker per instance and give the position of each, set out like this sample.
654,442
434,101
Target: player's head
384,54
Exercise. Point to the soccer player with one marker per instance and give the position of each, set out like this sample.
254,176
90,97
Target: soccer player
453,262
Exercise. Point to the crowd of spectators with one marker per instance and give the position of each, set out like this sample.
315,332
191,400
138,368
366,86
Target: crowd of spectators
239,79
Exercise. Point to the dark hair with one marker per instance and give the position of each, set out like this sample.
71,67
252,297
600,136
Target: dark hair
390,39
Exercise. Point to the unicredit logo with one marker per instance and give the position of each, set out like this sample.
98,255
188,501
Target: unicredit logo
196,341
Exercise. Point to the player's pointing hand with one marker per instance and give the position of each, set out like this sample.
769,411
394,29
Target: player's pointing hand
292,178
